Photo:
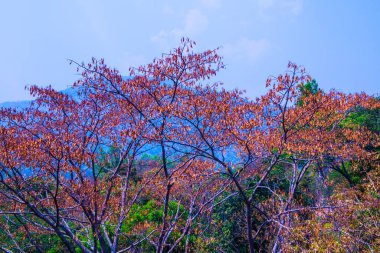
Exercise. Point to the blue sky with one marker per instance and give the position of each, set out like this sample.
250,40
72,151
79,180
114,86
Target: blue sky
337,41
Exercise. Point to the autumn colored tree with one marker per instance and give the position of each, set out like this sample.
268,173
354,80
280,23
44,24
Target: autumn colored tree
275,132
52,168
74,169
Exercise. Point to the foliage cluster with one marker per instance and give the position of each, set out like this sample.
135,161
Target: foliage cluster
168,161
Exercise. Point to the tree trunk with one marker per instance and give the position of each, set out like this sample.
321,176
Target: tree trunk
248,217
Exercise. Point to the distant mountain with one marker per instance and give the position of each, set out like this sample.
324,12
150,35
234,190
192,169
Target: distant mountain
15,105
73,92
25,103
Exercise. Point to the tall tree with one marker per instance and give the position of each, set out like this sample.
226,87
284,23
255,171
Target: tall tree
73,167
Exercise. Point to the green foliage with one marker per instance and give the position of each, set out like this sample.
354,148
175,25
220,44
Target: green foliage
310,88
140,213
47,242
226,233
363,117
143,218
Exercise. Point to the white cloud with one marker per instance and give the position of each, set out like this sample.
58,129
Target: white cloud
168,10
195,23
265,4
128,60
94,15
165,38
295,6
245,49
287,7
211,4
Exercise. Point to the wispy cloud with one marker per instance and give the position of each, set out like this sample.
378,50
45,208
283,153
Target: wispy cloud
164,37
128,59
211,4
287,7
295,6
194,23
245,49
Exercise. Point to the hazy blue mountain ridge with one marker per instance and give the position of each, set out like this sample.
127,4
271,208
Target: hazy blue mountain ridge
25,103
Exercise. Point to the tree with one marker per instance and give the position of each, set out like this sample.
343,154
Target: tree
75,168
52,168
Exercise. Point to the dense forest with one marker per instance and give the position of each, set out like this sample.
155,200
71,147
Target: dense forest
167,160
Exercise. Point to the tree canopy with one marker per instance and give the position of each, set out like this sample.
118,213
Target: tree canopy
168,161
